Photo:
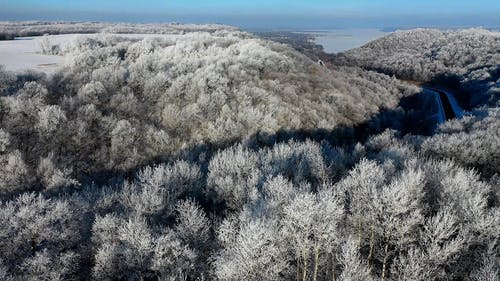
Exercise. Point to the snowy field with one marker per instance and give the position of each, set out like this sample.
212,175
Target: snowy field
24,53
339,40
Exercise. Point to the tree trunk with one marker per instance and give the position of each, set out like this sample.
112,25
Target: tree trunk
384,266
316,263
359,231
304,268
333,267
372,246
298,267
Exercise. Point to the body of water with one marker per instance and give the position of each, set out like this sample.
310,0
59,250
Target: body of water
339,40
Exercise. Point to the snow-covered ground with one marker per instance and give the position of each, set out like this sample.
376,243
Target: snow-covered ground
339,40
24,53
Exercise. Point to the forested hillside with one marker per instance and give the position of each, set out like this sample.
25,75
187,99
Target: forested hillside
465,59
120,103
221,156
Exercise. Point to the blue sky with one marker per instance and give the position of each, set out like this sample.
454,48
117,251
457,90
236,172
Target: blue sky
272,13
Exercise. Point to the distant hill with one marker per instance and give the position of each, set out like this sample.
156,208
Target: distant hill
11,29
465,61
468,59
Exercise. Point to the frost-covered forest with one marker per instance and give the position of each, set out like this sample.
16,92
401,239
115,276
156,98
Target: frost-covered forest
217,155
11,29
464,59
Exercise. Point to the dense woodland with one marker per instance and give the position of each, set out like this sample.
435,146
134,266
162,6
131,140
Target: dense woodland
221,156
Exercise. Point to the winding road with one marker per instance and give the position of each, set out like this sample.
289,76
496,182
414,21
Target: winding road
451,107
429,109
447,105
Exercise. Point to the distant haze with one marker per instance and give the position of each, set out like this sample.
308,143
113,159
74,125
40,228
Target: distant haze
338,40
262,14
